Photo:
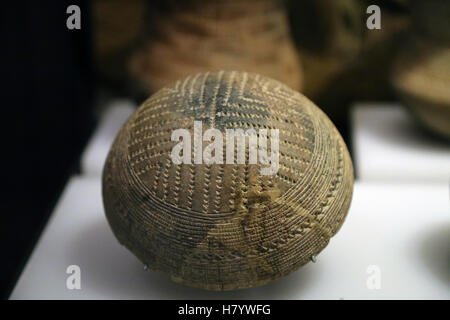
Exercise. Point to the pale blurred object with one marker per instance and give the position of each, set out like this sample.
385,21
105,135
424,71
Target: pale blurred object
343,60
388,148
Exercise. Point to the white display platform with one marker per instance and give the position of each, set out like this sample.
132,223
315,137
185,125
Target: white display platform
115,115
388,146
404,230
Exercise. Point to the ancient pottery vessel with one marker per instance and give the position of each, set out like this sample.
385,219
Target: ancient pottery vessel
230,225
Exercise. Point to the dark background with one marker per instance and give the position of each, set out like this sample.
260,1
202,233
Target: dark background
46,97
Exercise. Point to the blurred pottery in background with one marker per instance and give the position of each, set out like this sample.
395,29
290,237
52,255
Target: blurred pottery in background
421,77
344,61
329,26
142,45
117,28
200,35
117,24
421,74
